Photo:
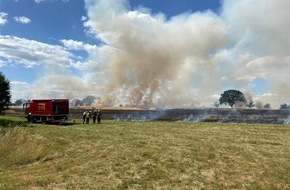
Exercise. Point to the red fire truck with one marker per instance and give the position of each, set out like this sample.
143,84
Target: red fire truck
47,110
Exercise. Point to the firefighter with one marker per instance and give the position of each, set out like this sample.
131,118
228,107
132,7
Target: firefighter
99,115
88,116
94,116
84,116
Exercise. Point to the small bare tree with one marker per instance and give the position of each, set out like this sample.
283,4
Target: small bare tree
251,104
267,106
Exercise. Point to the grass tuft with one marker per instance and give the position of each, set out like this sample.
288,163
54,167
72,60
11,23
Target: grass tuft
18,147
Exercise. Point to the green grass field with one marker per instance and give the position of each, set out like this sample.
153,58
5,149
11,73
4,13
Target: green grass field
143,155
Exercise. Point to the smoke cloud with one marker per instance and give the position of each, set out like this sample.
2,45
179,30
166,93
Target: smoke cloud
153,60
190,58
260,47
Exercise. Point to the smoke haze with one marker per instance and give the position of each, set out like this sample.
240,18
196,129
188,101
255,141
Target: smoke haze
154,60
192,57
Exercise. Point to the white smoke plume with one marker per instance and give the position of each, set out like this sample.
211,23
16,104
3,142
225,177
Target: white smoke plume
151,59
260,47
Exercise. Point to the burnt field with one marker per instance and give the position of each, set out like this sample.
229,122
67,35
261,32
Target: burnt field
266,116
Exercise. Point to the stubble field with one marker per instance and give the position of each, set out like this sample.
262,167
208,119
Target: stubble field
143,155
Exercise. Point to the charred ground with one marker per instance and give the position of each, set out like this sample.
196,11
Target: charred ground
266,116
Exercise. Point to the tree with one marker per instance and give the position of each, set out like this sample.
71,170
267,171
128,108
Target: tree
232,97
19,102
267,106
4,93
250,104
284,106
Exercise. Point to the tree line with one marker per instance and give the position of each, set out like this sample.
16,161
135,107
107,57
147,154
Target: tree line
233,98
237,98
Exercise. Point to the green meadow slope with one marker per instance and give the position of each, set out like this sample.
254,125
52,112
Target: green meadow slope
143,155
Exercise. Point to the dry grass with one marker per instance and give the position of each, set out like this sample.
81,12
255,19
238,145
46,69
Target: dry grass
152,155
20,148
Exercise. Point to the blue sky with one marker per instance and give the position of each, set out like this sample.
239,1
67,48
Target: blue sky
52,20
140,51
